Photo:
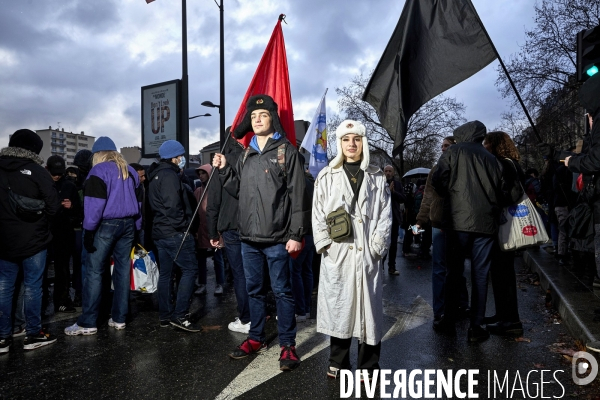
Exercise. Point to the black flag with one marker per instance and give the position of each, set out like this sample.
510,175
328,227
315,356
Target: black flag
436,45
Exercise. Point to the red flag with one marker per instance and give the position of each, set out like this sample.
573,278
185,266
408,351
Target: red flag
149,1
271,78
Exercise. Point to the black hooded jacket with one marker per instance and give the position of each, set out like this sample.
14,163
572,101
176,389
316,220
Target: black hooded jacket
24,173
222,207
588,163
271,201
169,201
470,179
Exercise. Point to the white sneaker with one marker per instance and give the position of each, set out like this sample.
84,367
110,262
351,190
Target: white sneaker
218,290
300,318
201,289
116,325
75,330
238,326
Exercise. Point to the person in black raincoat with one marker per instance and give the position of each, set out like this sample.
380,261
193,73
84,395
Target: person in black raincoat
469,178
63,232
589,163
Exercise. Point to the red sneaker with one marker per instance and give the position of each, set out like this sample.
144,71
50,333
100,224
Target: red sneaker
288,360
248,347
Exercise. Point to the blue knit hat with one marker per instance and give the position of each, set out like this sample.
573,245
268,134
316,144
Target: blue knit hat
171,149
103,143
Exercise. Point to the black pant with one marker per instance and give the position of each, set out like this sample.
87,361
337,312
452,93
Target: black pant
504,284
63,242
368,356
458,246
408,241
425,240
77,279
393,251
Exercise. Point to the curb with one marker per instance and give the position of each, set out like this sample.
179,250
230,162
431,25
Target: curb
574,300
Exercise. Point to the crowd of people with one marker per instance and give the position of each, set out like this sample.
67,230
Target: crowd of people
266,218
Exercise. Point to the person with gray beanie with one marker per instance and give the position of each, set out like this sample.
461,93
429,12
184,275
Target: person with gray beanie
27,200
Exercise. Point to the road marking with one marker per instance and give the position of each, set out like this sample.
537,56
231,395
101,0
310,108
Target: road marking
309,343
406,319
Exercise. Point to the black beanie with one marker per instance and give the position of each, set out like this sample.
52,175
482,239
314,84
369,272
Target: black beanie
258,102
26,139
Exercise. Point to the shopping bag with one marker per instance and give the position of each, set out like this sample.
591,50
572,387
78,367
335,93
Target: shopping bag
521,226
144,271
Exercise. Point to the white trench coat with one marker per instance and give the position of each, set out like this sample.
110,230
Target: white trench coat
350,282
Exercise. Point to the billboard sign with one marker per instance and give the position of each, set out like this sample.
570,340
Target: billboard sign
160,115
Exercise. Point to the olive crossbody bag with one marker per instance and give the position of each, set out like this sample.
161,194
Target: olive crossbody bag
339,222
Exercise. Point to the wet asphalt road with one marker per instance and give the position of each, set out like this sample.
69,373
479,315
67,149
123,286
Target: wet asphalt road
148,362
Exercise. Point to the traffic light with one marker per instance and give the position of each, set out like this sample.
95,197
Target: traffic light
588,53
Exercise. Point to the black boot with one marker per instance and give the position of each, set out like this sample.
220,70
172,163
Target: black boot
513,329
477,334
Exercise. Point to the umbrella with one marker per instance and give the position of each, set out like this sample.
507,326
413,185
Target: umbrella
417,171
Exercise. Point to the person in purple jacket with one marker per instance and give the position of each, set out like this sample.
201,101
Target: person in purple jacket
112,213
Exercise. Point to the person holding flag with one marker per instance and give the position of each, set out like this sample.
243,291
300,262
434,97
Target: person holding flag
268,180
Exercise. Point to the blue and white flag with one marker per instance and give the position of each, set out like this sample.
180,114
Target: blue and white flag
315,140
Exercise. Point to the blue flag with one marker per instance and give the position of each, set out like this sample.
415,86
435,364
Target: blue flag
315,140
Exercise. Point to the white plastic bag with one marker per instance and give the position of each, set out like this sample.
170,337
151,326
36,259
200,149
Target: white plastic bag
144,270
521,226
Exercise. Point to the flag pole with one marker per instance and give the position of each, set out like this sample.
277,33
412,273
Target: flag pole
320,101
212,173
512,84
324,94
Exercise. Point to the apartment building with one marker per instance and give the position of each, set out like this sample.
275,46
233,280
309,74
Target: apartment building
64,144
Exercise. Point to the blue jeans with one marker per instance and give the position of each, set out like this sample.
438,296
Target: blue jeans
33,270
233,249
19,320
458,246
277,261
186,261
84,255
302,276
438,275
113,237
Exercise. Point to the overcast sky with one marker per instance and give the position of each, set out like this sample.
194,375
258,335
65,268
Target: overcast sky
82,63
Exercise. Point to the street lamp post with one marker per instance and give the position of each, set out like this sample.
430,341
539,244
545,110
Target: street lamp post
185,112
222,119
222,77
203,115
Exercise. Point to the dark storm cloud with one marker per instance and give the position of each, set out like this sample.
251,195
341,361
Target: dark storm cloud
85,61
92,15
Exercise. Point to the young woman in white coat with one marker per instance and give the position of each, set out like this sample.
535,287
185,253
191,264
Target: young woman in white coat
350,283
